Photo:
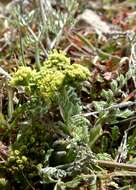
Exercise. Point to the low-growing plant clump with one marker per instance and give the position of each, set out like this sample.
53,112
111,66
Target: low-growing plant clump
67,95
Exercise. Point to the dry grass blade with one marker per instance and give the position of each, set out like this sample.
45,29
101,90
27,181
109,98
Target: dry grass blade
116,165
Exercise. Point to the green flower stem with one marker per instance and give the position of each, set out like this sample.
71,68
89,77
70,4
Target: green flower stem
10,102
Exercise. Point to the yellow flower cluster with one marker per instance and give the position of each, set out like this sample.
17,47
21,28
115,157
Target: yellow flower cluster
55,73
49,83
57,60
23,77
